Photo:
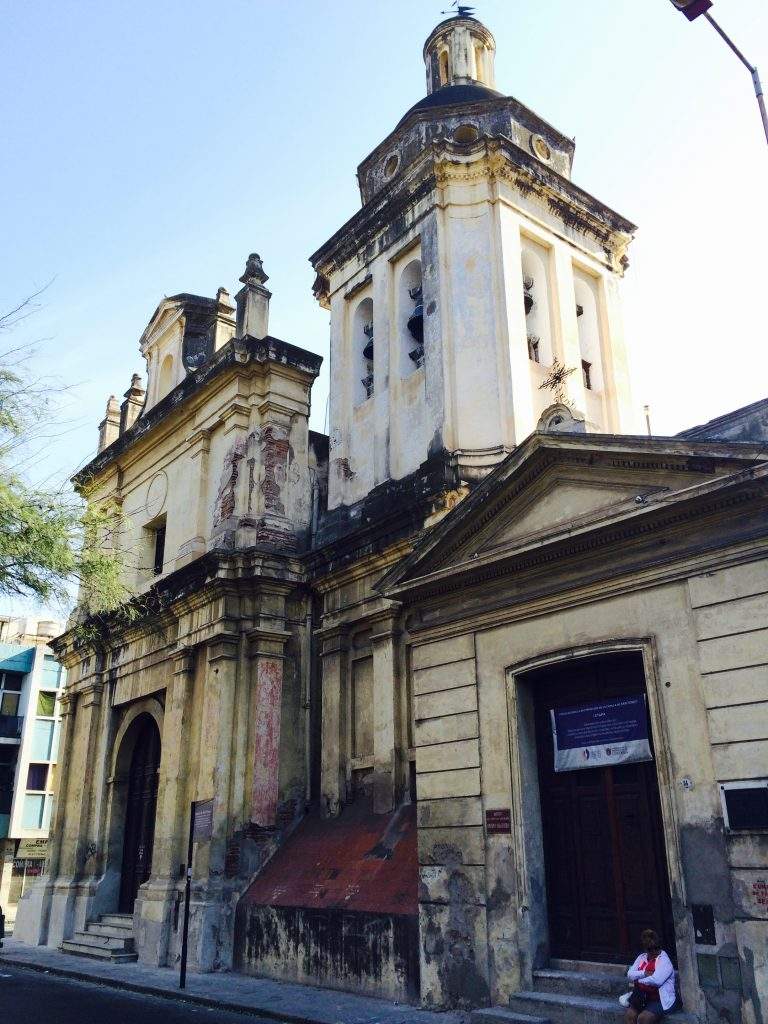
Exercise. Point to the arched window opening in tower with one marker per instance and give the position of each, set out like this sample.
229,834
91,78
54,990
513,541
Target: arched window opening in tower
444,68
363,352
588,320
535,273
411,327
479,65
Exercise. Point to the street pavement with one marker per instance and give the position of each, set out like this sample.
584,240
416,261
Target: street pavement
30,995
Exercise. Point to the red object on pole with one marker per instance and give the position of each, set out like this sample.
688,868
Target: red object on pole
692,9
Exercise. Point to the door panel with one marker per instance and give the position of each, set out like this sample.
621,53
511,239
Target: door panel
140,813
603,838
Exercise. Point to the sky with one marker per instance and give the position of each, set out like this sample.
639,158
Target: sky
149,147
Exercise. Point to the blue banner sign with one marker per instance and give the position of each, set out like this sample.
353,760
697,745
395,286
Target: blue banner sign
594,735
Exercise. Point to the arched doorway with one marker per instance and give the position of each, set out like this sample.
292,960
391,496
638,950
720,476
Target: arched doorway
140,810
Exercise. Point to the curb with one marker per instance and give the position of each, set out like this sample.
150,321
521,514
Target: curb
162,993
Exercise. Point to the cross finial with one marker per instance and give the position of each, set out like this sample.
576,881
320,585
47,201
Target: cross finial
555,382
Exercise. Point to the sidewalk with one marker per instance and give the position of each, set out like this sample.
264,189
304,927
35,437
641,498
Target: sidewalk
297,1004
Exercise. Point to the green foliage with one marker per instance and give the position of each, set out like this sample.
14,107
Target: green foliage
50,538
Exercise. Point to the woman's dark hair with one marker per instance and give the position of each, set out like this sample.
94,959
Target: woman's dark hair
651,938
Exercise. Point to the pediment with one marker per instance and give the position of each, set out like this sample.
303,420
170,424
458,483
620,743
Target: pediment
168,313
562,501
556,487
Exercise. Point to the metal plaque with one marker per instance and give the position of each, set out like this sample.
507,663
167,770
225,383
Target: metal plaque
203,821
499,822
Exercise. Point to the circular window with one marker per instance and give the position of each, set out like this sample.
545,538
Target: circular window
541,148
391,165
466,134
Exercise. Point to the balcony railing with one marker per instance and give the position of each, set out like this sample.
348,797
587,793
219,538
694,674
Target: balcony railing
10,727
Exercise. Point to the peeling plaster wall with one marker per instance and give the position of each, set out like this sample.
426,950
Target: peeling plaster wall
484,892
371,954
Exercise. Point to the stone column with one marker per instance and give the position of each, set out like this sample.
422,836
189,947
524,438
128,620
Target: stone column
335,755
386,715
266,649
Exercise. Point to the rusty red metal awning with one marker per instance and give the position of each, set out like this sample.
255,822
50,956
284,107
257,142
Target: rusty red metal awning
359,861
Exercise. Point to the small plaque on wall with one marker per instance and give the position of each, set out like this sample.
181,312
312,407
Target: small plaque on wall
203,820
499,822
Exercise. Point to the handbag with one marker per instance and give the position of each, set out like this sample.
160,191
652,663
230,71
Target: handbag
638,1000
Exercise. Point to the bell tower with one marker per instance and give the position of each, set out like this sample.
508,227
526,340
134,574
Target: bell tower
475,296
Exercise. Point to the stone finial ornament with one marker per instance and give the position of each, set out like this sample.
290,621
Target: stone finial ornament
254,270
253,300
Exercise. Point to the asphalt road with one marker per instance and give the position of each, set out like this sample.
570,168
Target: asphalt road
27,996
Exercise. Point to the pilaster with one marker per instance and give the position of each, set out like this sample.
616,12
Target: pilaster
199,451
334,655
516,338
169,850
213,783
386,716
266,649
567,326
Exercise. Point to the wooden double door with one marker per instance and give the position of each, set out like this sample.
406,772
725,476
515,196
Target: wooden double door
140,812
604,847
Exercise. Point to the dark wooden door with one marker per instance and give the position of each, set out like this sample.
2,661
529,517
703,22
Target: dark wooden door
140,812
603,839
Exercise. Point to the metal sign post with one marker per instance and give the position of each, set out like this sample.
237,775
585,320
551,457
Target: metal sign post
187,894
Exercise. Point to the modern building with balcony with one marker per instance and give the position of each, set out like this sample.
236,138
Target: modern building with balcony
30,683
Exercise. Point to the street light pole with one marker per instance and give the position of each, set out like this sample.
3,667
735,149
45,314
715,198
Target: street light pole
750,67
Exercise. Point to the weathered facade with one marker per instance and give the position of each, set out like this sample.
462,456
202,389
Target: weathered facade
353,645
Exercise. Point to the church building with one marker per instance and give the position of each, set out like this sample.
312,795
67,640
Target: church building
462,697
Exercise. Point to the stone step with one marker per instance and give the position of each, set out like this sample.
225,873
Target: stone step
96,953
498,1015
580,983
589,967
113,931
121,943
119,920
572,1009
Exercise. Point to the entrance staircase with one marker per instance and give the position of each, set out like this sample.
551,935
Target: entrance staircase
570,992
109,938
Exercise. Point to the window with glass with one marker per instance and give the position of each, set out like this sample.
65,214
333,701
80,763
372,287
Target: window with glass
37,777
42,740
46,703
34,810
10,692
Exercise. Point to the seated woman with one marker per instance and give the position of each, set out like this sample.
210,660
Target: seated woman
653,995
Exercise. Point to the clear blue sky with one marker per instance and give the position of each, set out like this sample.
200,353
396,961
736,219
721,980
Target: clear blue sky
149,146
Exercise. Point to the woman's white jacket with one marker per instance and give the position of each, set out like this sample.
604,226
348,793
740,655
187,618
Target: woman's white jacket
663,977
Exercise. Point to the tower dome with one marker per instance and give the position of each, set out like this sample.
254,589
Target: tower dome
459,51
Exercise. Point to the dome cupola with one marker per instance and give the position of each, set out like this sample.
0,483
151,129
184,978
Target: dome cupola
460,51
